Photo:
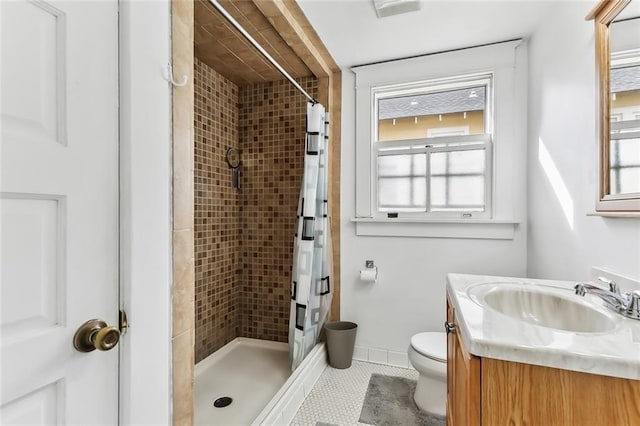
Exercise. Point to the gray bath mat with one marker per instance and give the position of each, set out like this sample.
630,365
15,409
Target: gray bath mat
389,401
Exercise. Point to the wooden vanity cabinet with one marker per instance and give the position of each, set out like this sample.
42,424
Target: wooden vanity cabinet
463,379
491,392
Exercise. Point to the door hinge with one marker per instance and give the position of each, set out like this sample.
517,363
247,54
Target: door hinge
123,325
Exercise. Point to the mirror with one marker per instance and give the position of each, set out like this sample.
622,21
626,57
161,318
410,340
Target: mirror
617,39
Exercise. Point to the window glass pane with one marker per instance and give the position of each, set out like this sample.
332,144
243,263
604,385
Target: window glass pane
402,194
457,193
438,191
394,192
402,182
458,180
466,161
439,162
466,191
402,165
446,113
458,162
419,193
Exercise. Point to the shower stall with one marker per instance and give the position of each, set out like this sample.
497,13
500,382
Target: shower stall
244,238
249,151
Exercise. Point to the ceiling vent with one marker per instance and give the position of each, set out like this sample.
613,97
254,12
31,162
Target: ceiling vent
395,7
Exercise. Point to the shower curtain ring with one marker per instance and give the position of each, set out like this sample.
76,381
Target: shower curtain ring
169,77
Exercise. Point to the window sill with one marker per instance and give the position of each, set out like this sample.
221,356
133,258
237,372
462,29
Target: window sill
619,214
485,229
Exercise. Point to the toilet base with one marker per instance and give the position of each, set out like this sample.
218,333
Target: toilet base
431,390
431,396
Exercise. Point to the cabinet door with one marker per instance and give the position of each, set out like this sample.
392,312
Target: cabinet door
451,341
523,394
463,379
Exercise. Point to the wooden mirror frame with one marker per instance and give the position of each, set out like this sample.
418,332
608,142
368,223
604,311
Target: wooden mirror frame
621,205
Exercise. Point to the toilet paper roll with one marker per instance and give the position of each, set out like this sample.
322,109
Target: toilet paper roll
369,275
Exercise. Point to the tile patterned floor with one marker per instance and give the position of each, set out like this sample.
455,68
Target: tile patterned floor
338,395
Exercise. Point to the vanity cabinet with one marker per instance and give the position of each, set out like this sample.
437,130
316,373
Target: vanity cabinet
463,378
486,391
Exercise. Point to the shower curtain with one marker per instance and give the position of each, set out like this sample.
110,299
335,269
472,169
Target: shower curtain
311,291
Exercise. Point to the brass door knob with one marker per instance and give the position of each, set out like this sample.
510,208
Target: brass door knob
95,334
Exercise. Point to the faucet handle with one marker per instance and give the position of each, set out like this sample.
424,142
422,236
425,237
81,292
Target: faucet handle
633,310
613,287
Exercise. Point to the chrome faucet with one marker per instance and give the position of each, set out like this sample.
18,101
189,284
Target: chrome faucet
627,304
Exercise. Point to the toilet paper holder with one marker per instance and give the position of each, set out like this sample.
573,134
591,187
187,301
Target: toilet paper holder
370,273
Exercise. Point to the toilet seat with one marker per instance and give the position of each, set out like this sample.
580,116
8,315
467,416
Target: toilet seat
431,344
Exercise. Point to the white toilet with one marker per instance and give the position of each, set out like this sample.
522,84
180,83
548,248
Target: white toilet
428,355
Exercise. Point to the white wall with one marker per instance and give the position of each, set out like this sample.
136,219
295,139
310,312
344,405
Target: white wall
409,296
564,242
145,214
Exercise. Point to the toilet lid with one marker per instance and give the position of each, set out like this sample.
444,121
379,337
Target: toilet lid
432,345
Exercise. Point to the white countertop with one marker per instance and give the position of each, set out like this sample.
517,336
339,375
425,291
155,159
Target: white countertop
489,333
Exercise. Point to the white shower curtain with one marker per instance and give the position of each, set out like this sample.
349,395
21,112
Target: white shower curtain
311,290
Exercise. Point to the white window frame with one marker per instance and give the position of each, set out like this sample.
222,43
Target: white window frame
429,145
507,61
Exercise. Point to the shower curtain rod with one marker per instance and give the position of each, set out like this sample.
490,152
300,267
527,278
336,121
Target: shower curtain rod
260,49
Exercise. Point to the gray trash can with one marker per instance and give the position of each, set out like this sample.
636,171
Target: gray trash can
341,338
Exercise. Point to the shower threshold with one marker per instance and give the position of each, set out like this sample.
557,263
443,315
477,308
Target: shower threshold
256,376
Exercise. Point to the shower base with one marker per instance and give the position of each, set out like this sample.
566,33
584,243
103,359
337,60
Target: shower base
256,375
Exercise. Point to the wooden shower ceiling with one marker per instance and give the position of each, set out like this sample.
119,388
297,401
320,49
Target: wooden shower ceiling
224,49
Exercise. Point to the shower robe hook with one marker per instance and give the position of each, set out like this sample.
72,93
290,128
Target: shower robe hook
169,77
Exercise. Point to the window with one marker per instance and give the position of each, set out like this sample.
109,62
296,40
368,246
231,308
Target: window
440,144
431,148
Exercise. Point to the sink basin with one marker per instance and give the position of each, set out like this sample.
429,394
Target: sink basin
544,306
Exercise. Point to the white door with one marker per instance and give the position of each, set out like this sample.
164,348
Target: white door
59,209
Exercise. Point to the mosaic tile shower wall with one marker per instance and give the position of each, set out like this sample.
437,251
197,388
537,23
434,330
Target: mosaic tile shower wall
244,240
272,131
217,212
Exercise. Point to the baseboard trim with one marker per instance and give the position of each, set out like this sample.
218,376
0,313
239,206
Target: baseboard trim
284,405
382,356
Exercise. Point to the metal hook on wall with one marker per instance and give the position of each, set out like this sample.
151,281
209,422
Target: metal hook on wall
168,75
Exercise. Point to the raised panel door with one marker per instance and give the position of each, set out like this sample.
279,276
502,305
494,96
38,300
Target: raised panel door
59,209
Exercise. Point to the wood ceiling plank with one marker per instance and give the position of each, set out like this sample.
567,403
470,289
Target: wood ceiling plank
223,48
249,16
220,59
253,67
287,57
286,18
308,55
238,55
279,54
